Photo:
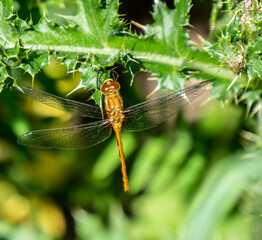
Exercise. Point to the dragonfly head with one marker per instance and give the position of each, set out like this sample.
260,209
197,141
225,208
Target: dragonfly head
109,85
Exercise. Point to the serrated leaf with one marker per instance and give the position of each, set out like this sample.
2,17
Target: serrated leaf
70,60
254,68
95,38
251,96
92,35
13,52
170,39
168,27
94,19
3,74
88,29
87,32
89,77
39,59
257,109
238,44
22,25
7,8
8,37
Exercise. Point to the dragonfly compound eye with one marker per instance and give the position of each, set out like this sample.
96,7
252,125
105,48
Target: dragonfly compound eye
114,86
110,85
105,87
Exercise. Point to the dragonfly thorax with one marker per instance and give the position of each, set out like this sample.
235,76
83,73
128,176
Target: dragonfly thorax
109,85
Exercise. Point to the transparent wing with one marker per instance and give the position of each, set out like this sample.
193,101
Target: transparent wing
150,113
63,104
76,137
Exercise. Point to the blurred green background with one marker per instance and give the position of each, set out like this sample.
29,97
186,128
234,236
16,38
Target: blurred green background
193,177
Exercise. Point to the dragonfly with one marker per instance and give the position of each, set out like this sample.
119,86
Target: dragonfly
142,116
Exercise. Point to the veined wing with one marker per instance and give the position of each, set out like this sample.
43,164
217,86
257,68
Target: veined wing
75,137
150,113
82,109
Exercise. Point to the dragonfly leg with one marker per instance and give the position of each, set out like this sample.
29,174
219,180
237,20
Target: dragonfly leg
98,79
115,75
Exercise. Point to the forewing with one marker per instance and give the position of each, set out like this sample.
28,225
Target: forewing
73,107
76,137
150,113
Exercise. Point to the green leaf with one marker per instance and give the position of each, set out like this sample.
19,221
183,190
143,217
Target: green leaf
238,45
88,31
3,71
70,60
213,203
8,38
109,161
168,29
39,59
94,36
84,219
168,42
8,7
147,158
254,69
95,20
172,160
